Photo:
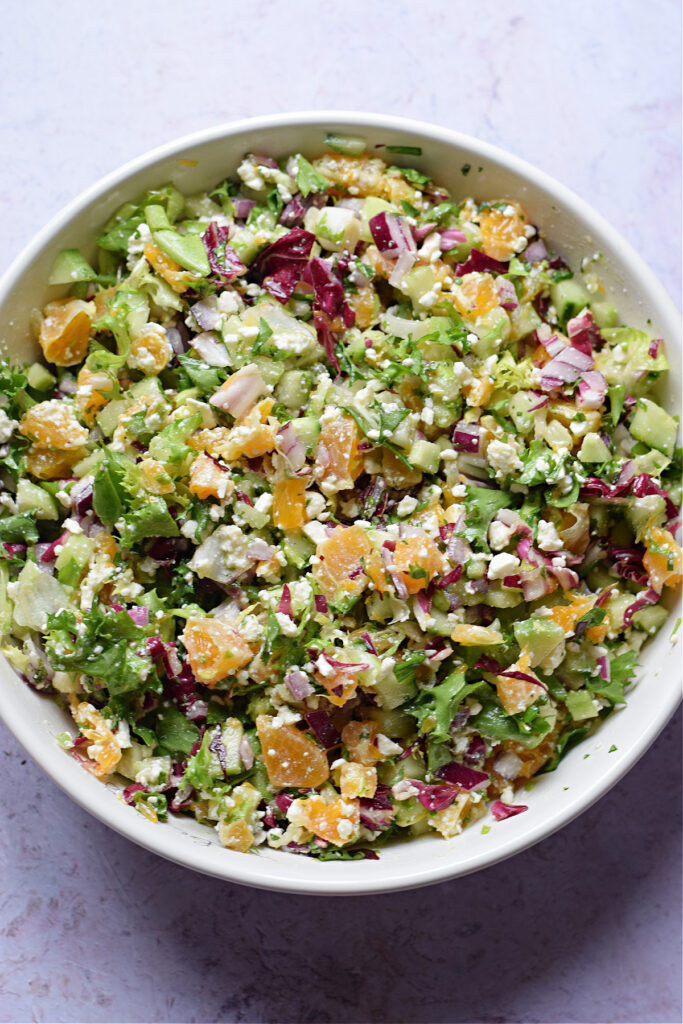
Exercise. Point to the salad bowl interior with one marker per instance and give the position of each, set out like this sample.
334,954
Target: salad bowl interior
466,167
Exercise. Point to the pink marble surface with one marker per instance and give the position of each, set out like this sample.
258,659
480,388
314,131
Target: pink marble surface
586,927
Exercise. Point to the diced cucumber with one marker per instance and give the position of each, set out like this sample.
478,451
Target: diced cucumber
148,387
417,283
337,228
604,313
524,320
70,267
245,245
294,387
232,734
308,429
409,812
40,378
642,513
187,250
157,218
581,705
651,619
298,549
654,426
393,723
32,498
108,419
569,298
347,145
593,449
539,637
424,455
76,552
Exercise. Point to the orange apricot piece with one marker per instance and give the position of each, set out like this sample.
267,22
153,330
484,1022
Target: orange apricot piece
291,758
215,649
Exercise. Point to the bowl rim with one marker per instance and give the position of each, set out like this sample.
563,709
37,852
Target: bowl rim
245,870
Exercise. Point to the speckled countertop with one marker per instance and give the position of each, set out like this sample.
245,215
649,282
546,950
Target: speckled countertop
585,927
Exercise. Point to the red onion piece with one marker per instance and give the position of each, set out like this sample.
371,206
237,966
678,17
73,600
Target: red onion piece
207,317
583,333
212,351
298,684
391,234
506,293
321,603
536,252
451,238
466,437
291,446
285,605
240,392
259,551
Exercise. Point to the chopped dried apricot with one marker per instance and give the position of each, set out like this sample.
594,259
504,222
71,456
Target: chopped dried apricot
365,306
289,503
475,295
516,695
53,424
340,573
377,571
150,352
478,392
179,279
396,473
340,687
155,478
567,615
418,560
663,560
291,758
93,392
65,331
47,464
359,738
103,748
476,636
235,835
215,649
337,461
502,230
209,480
357,780
337,822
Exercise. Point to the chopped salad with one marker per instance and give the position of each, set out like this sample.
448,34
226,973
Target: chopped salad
339,507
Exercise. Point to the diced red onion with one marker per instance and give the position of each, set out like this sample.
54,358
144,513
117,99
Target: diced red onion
536,252
246,753
565,368
466,437
506,293
81,495
367,640
649,596
285,605
50,553
583,333
391,234
404,263
291,446
320,602
298,684
207,316
259,551
240,392
451,238
605,668
139,615
242,207
653,348
212,351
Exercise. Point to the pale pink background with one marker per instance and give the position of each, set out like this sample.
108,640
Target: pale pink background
585,927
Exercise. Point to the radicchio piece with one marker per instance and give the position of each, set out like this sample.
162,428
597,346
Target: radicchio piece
285,605
323,727
500,811
326,339
479,262
460,775
565,368
434,798
231,266
281,263
535,252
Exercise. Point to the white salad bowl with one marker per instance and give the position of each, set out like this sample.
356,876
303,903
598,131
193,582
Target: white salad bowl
575,231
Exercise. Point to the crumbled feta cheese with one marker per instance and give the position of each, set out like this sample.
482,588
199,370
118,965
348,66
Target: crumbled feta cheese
502,565
499,535
287,625
406,505
547,537
503,457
